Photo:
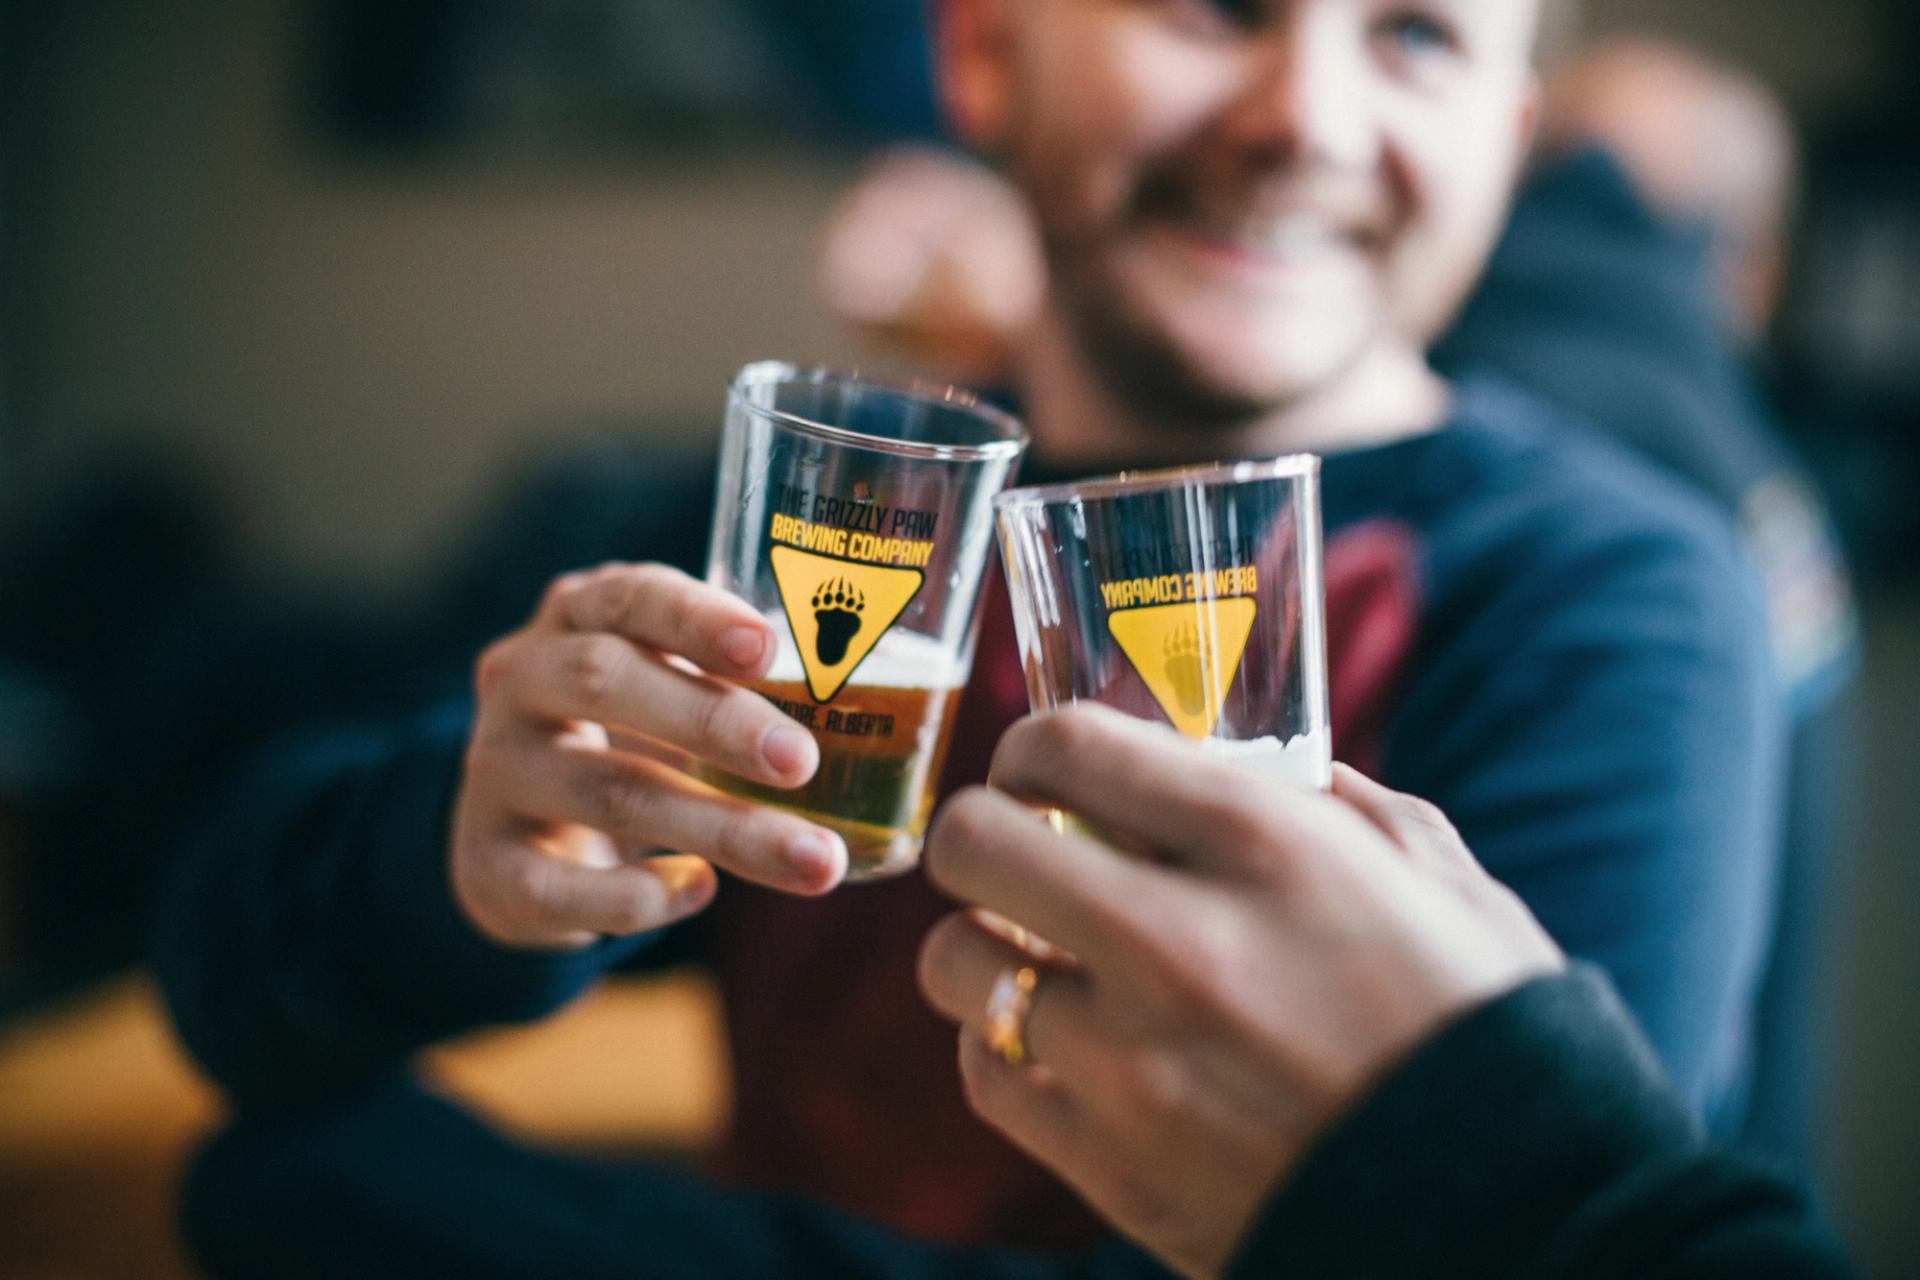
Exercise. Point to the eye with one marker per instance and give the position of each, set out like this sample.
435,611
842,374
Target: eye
1244,13
1216,17
1418,36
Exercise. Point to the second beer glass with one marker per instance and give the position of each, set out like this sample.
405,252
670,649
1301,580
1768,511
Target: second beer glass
856,516
1191,597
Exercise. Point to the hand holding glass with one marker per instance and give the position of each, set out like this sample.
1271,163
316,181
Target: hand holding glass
855,516
1190,597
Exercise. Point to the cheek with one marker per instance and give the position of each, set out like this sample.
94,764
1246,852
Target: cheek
1452,173
1105,100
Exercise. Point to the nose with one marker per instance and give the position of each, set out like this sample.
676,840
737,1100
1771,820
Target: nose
1308,95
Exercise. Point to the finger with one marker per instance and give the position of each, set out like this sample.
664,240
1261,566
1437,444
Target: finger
1029,1104
641,802
1147,785
605,678
1417,826
659,607
544,900
639,744
959,964
1021,937
988,850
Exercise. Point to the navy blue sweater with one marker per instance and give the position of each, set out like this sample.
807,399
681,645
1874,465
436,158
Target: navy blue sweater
1533,1137
1557,646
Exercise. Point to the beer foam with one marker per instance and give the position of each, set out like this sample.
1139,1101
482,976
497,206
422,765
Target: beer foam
901,660
1304,760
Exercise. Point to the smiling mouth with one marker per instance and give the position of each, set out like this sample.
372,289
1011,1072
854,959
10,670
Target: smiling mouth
1285,251
1291,238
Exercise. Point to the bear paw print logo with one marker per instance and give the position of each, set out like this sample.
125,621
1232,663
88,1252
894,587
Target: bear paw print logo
1183,669
837,608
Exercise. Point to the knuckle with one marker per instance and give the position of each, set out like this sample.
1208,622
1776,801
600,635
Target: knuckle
727,721
588,599
1018,745
561,588
744,836
1189,961
595,665
1154,959
625,802
641,905
640,585
534,892
650,575
494,667
601,573
1166,1088
1235,820
962,811
1155,1086
1063,735
958,827
1425,815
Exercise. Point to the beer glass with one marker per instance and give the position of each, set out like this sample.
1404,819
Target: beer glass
1191,597
856,516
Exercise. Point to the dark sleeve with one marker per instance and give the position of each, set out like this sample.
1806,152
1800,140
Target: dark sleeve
1599,306
308,938
397,1182
1603,728
1535,1136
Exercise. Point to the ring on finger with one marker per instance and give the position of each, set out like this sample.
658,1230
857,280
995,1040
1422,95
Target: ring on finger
1008,1004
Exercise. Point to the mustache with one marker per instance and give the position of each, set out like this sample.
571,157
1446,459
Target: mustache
1348,201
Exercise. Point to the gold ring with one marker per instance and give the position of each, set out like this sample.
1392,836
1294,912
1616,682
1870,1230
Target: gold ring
1007,1007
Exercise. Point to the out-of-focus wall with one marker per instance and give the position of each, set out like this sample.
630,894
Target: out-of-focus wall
1823,58
357,346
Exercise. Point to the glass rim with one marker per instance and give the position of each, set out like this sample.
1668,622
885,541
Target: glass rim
1289,466
943,395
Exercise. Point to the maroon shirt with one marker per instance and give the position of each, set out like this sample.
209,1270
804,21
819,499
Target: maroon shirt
846,1083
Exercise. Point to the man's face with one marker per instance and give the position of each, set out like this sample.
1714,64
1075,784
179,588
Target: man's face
1241,199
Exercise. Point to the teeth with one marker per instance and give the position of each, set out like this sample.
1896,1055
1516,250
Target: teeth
1294,233
1290,233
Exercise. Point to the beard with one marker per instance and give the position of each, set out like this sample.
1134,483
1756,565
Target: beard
1166,383
1144,370
1164,386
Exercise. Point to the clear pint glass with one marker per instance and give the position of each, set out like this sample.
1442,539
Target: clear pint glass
856,516
1189,597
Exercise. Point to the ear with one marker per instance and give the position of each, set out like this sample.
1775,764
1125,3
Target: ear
972,47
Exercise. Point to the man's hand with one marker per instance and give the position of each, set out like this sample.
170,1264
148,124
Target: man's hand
1229,985
575,775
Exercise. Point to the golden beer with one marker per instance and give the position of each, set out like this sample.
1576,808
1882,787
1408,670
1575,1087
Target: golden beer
882,746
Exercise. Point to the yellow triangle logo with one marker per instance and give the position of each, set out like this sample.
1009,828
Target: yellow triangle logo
1188,655
838,610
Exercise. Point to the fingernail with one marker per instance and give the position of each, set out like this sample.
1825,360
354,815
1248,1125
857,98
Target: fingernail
743,646
819,854
787,748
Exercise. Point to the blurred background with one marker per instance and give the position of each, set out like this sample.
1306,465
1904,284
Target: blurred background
292,291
